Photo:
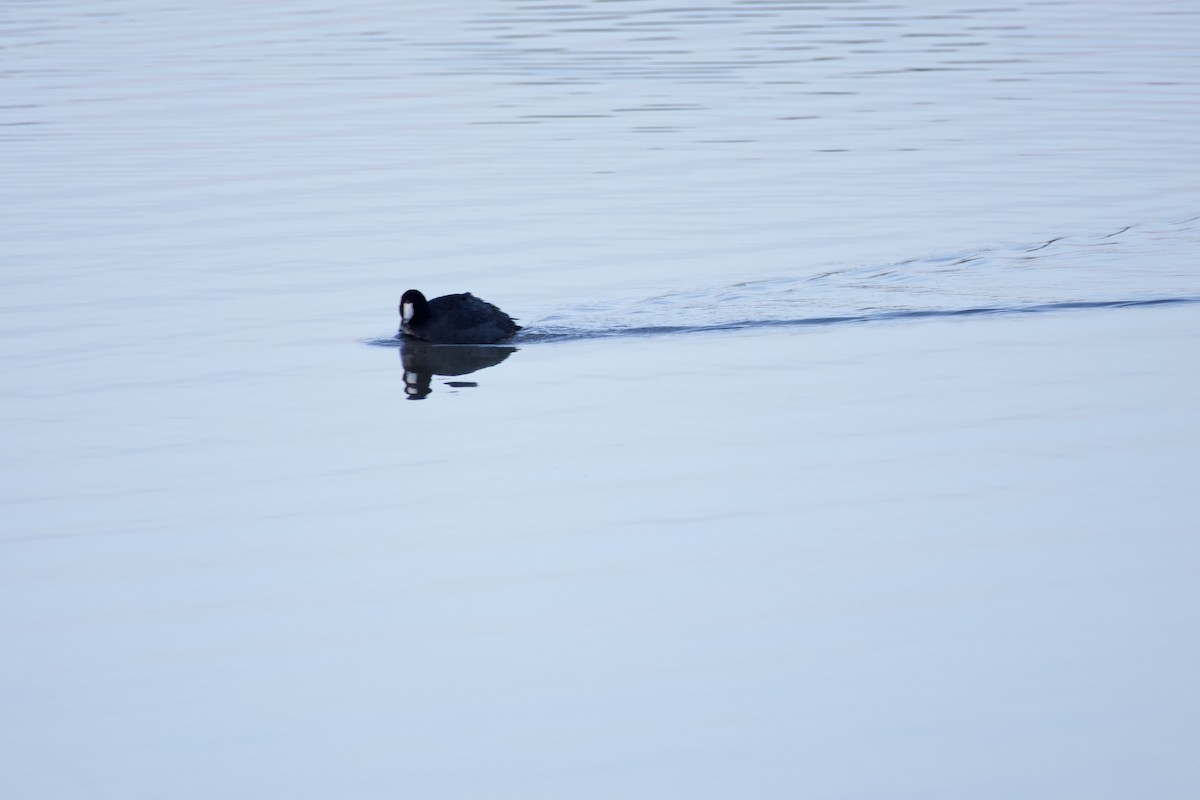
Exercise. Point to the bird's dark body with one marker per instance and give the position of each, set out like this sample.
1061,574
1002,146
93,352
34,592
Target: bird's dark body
454,319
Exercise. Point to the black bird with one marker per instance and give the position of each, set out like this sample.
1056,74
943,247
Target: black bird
453,319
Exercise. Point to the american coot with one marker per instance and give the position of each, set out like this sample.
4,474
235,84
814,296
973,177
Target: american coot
453,319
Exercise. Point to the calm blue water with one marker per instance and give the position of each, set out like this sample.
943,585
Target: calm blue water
849,450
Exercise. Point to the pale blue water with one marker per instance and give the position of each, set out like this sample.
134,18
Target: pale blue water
850,449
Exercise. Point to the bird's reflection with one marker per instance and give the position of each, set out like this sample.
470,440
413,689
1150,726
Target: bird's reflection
423,360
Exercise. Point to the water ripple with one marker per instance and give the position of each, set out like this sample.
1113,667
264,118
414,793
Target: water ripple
1136,265
550,333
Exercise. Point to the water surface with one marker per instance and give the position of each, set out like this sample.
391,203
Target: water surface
849,449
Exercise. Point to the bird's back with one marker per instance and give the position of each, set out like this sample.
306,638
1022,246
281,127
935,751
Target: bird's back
465,319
